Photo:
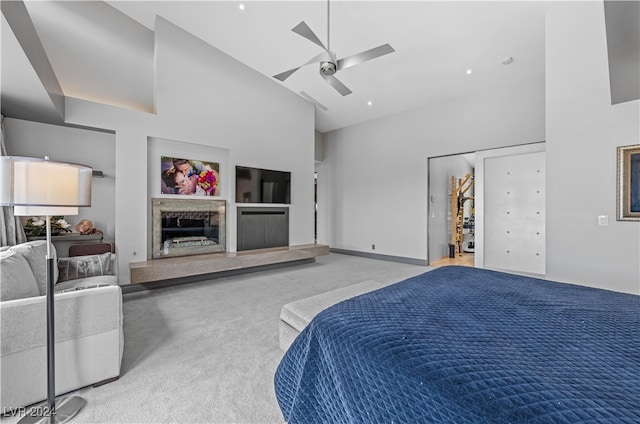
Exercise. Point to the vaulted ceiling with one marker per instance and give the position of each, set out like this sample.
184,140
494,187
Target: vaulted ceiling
103,51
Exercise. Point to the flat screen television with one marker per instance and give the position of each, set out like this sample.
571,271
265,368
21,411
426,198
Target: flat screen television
255,185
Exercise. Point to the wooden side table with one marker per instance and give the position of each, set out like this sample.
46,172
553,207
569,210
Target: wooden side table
62,242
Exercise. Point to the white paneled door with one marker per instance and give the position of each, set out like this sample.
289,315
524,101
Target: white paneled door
514,213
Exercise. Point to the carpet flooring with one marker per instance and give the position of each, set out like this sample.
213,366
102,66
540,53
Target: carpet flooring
206,352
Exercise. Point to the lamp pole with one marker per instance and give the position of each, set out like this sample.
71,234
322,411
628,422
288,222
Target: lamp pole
35,186
51,347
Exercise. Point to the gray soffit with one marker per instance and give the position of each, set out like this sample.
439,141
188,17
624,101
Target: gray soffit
622,20
45,96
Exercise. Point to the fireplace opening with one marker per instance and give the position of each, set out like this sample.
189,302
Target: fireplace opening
180,229
188,227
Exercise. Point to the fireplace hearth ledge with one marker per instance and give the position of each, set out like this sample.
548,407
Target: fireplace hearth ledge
211,263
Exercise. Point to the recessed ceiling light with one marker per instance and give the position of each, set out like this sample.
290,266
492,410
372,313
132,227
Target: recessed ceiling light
507,60
241,6
469,71
369,103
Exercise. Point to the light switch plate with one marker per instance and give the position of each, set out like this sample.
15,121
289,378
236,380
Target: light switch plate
603,220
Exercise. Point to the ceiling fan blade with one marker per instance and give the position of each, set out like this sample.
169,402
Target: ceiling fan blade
340,87
284,75
303,29
373,53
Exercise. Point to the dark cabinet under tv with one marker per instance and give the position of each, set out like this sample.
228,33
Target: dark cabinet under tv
262,227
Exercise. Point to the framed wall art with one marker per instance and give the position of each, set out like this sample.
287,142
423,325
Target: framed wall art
189,177
628,191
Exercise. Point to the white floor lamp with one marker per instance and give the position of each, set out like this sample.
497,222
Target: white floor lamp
40,187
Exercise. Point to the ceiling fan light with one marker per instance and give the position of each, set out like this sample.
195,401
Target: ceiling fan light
327,68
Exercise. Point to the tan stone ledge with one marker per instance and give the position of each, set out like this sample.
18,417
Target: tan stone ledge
186,266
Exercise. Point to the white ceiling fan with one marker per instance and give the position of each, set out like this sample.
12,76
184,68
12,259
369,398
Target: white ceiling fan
329,64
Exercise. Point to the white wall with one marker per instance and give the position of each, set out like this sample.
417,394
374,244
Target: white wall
374,175
91,148
204,97
583,131
319,146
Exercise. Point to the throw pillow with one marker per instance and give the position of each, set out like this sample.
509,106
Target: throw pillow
84,266
18,281
35,252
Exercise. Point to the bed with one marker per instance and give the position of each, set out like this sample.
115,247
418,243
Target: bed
464,345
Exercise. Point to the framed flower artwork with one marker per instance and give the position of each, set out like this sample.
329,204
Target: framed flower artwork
189,177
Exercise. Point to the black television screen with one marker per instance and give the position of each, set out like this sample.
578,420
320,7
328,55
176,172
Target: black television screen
254,185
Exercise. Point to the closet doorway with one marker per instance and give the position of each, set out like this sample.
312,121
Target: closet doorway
508,208
442,221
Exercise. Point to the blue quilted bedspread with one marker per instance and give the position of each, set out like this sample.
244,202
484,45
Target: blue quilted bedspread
463,345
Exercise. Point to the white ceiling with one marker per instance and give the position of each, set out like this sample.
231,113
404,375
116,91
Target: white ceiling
104,51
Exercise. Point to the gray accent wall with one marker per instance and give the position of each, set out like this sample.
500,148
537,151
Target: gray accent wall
92,148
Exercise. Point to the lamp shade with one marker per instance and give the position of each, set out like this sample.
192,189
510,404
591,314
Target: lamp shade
36,186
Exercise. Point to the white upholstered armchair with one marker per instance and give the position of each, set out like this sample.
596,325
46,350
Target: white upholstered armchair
88,328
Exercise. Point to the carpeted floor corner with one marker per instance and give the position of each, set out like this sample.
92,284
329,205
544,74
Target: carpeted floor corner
206,352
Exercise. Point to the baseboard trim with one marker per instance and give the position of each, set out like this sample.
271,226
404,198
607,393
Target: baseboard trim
134,288
107,381
401,259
